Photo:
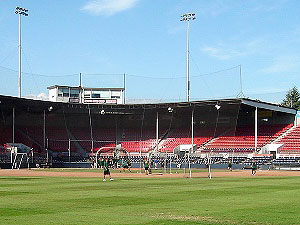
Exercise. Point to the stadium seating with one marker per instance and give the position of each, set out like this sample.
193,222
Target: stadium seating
134,141
180,137
291,142
5,135
102,137
244,139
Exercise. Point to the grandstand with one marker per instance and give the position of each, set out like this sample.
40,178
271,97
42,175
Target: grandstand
290,142
240,127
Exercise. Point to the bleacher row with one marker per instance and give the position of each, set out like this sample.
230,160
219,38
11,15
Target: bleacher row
133,141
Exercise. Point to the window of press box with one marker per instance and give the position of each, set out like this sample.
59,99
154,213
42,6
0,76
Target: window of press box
74,93
87,94
63,92
104,94
96,94
115,94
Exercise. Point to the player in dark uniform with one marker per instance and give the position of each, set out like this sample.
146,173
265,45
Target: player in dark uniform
106,170
146,166
125,165
129,165
101,162
254,168
230,165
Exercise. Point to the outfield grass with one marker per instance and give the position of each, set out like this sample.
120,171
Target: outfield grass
57,200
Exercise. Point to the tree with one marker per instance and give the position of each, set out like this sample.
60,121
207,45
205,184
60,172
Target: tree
292,98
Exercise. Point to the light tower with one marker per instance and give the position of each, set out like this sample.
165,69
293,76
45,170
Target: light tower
20,11
187,17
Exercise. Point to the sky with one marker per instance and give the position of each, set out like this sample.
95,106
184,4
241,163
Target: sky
146,41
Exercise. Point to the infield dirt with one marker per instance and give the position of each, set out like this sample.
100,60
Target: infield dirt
134,174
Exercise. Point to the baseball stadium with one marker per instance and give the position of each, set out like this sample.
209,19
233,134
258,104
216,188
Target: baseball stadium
89,154
199,157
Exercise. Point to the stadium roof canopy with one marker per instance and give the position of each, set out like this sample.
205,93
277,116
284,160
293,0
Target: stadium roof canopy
39,105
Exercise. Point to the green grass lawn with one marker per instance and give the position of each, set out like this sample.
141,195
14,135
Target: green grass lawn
49,200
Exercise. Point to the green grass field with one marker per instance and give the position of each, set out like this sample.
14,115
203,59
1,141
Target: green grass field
53,200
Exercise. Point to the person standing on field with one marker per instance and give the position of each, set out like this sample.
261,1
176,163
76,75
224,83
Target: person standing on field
101,162
106,170
254,168
146,166
230,165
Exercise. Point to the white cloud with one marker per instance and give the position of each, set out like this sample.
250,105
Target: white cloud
108,7
41,96
265,6
235,49
175,29
287,63
220,53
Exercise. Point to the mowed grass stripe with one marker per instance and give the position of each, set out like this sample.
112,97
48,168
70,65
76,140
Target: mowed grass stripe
57,200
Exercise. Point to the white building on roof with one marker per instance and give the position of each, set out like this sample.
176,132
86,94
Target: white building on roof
60,93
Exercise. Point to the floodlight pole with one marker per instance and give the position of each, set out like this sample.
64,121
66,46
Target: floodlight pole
20,11
20,59
187,17
187,62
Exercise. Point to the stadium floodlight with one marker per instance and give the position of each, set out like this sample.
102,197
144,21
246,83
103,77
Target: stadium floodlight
217,106
187,17
21,12
102,112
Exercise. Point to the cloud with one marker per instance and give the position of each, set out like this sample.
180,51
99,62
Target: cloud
108,7
41,96
235,49
175,29
287,63
265,6
221,53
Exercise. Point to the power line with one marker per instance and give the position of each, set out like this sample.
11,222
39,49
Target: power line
118,74
103,74
172,78
39,75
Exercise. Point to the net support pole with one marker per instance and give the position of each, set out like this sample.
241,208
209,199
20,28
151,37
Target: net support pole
47,150
91,129
170,165
192,148
13,125
256,129
140,158
184,171
69,150
166,157
124,86
157,130
209,165
44,131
